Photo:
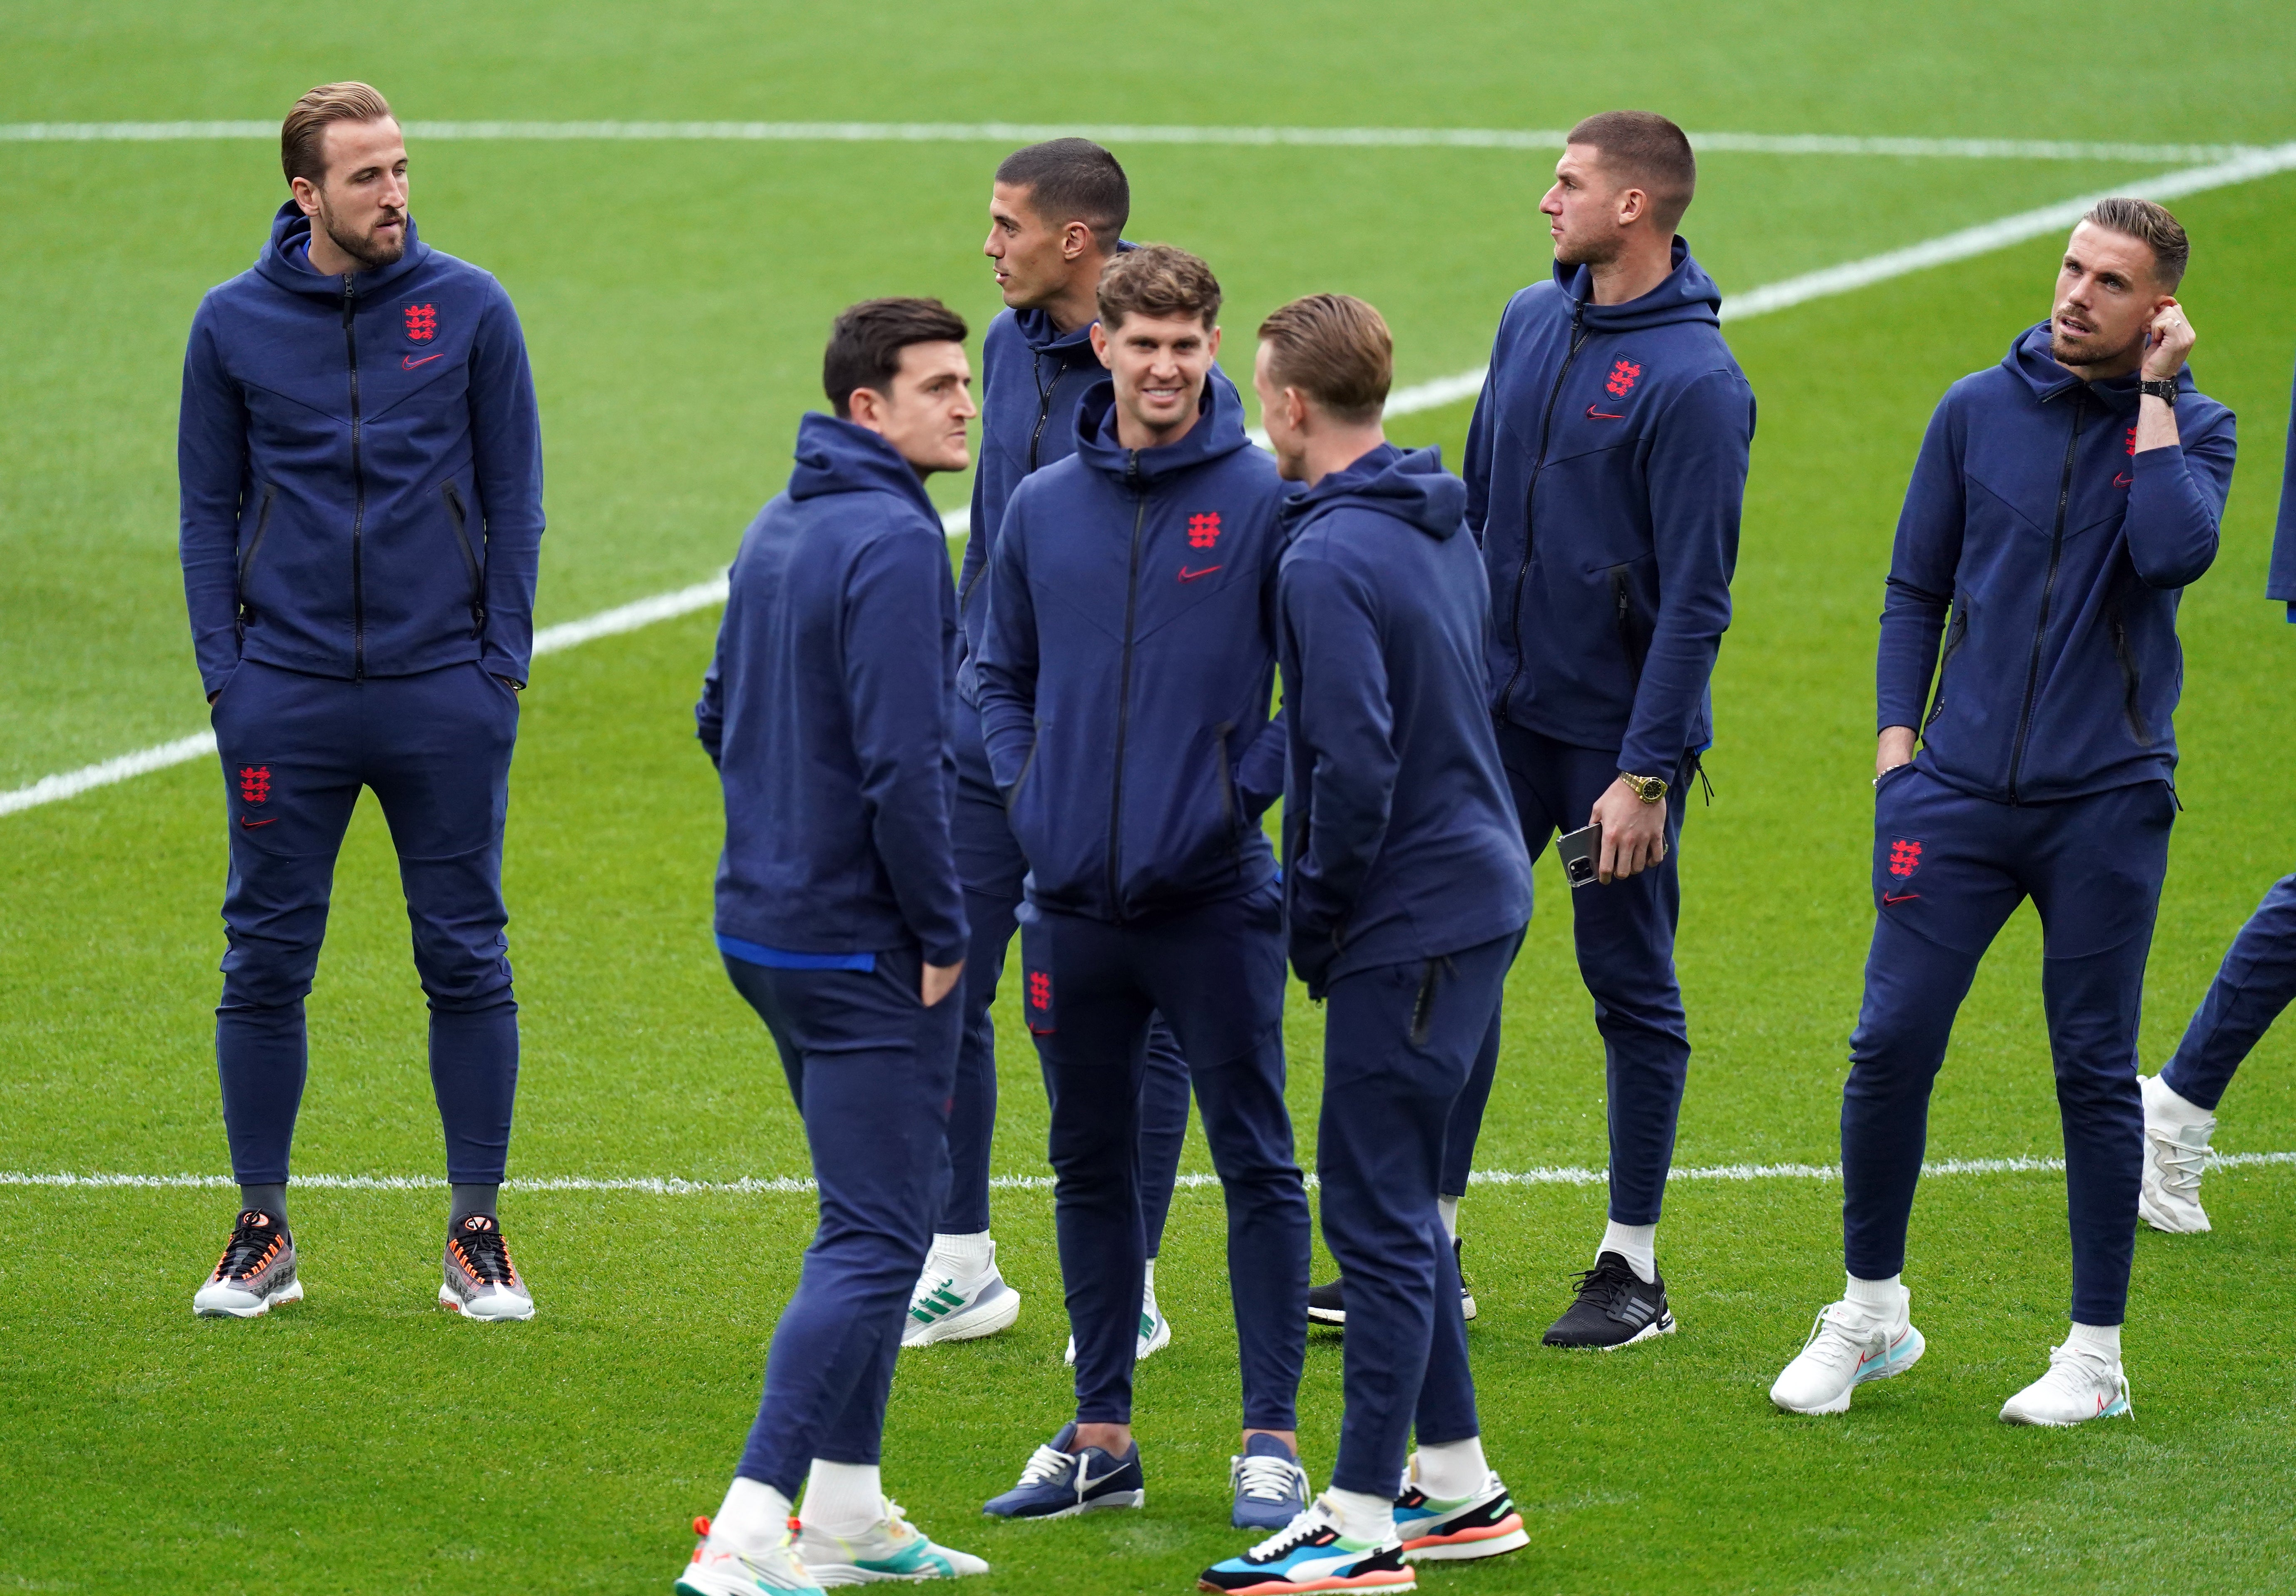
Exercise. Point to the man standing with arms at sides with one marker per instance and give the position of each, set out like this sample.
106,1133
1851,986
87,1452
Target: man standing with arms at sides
827,714
1125,683
2257,982
1606,468
361,469
2062,501
1409,887
1055,217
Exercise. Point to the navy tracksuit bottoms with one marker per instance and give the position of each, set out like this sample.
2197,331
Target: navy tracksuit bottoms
436,750
1399,1042
990,862
2257,981
1624,934
870,1067
1217,973
1948,870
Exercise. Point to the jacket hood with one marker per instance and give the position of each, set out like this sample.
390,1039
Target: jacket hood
1688,294
2029,360
1218,431
282,263
1412,487
1037,330
834,456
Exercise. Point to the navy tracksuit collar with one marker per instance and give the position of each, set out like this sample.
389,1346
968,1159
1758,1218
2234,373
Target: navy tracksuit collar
1217,433
2030,361
1686,294
834,456
283,264
1411,487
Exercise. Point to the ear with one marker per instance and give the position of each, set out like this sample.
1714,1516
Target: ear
1100,346
1076,241
1634,205
866,408
306,194
1216,333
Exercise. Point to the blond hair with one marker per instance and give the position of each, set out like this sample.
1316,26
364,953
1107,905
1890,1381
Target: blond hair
1335,350
302,136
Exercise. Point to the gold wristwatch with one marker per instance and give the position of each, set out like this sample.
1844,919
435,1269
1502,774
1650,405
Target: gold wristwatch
1649,788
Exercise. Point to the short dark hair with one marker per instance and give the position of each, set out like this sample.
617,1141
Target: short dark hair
866,345
1334,349
302,136
1651,153
1072,180
2151,226
1157,280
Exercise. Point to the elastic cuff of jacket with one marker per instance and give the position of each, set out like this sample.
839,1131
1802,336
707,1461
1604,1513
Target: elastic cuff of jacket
782,958
2291,612
943,957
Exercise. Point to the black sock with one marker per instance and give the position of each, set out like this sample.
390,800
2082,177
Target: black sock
270,1200
471,1197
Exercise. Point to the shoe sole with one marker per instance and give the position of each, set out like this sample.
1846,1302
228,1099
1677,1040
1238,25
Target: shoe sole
2120,1408
454,1305
972,1323
2163,1220
831,1575
291,1292
1840,1404
1114,1499
1663,1325
1506,1536
1337,1318
1383,1581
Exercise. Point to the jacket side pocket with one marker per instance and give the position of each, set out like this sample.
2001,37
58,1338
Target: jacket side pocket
456,514
247,560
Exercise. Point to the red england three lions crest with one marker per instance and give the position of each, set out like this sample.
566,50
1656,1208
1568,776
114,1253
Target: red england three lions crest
1623,375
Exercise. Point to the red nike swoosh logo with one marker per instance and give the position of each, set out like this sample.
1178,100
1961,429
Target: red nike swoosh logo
1188,576
1899,897
2123,480
1602,415
252,824
410,363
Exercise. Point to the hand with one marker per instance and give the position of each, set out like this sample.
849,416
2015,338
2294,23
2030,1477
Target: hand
940,981
2167,342
506,682
1896,748
215,695
1633,833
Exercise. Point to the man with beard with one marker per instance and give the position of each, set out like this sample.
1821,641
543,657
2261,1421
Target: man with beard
361,473
2062,503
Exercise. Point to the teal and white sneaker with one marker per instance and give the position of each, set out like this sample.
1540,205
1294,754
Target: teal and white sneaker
892,1549
1484,1524
1309,1554
1849,1345
946,1306
2082,1384
719,1570
1155,1331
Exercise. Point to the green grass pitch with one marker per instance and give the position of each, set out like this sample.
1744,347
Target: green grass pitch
675,295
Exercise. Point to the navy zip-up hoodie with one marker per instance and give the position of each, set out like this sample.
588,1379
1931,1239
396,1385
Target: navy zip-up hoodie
827,712
361,467
2059,553
1129,664
1606,471
1033,380
1400,840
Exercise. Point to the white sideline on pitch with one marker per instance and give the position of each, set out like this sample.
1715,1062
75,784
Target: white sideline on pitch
2243,165
793,1185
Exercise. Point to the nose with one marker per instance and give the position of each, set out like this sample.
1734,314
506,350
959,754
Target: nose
992,246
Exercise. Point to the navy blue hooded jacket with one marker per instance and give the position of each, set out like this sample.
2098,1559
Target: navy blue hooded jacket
2060,553
1129,664
1033,380
1605,470
827,712
1400,841
361,467
2281,583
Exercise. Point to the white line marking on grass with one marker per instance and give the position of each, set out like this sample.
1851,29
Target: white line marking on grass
2244,167
796,1185
1024,132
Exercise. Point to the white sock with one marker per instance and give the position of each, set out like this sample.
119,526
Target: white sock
2169,1104
1361,1515
966,1256
753,1518
1636,1243
1455,1470
1149,1283
842,1499
2104,1338
1448,1206
1889,1297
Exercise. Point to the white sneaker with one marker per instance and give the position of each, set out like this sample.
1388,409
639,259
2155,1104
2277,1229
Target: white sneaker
892,1548
2174,1155
1849,1345
1155,1331
719,1570
946,1307
2082,1383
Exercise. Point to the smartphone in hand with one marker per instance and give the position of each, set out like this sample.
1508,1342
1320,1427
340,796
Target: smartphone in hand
1580,851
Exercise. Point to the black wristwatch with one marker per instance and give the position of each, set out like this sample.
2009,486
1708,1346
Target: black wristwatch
2164,389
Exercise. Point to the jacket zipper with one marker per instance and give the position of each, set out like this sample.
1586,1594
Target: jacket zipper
2048,593
1955,631
1422,1010
470,560
2128,680
1530,498
247,560
1622,597
1044,401
1124,691
359,485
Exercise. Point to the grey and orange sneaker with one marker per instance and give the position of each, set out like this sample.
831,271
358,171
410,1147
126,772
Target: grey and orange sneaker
256,1272
481,1281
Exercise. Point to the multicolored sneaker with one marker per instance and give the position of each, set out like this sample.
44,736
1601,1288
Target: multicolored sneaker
1060,1484
255,1272
949,1307
481,1281
1483,1525
1310,1554
1269,1486
892,1549
1155,1331
722,1571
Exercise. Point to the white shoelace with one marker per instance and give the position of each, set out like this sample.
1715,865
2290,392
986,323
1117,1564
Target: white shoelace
2180,1164
1842,1334
2081,1369
1266,1478
1046,1463
1306,1523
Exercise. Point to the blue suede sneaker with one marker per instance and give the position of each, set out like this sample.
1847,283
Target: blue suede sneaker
1060,1484
1271,1488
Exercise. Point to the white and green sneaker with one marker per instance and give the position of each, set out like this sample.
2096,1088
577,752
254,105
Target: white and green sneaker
719,1570
948,1307
892,1548
1155,1331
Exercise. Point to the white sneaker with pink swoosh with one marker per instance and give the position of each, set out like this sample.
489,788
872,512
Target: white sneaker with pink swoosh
1849,1345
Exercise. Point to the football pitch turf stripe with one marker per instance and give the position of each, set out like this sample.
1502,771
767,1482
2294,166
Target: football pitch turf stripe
793,1185
2245,164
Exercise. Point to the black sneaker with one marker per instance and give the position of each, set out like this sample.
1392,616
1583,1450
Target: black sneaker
1327,1304
1614,1308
